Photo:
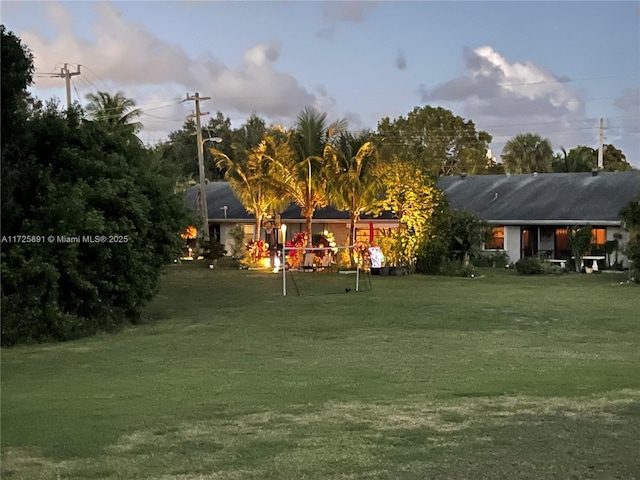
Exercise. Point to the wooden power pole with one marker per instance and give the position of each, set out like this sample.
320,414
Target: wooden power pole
203,193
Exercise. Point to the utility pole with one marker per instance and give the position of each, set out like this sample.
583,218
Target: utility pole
203,194
66,74
601,145
67,77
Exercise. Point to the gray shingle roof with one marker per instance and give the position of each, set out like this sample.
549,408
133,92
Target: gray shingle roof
544,198
219,195
516,199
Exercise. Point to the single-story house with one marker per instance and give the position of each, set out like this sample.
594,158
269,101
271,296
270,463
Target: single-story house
530,214
226,211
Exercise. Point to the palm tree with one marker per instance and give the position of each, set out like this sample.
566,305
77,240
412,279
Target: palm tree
116,110
249,177
527,153
357,180
578,159
303,177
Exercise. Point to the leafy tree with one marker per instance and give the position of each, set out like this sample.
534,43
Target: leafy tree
527,153
457,234
17,75
494,168
437,141
435,249
249,135
218,126
78,178
414,199
580,239
181,150
356,181
630,213
303,176
467,232
613,160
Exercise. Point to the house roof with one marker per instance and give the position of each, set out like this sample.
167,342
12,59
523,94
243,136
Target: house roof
546,198
549,198
220,194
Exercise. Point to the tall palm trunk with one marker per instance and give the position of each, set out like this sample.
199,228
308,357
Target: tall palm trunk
309,237
256,235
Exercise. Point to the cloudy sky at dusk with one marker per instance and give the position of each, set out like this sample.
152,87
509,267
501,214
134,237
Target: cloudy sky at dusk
552,68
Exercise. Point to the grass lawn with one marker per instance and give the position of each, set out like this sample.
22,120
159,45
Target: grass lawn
498,377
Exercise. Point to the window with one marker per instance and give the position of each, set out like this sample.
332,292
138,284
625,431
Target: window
598,240
562,244
495,239
214,232
598,236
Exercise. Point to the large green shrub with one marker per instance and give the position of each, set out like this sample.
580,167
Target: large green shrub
529,265
431,257
631,216
87,223
457,236
492,260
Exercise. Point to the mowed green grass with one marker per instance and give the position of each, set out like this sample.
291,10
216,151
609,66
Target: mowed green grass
497,377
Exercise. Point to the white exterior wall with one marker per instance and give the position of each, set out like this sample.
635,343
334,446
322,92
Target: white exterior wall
512,246
227,240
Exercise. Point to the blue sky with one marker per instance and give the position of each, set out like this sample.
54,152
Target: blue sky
552,68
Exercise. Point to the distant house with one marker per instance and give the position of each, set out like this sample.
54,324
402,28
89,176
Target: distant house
530,214
226,211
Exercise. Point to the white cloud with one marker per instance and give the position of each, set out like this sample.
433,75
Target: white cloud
126,56
507,98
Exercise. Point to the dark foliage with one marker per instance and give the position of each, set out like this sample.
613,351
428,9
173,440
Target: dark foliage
529,265
94,220
631,216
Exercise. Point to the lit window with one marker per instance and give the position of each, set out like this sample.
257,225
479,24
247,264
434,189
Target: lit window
495,239
190,232
598,236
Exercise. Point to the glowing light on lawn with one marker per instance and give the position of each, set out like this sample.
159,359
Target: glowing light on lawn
266,262
276,264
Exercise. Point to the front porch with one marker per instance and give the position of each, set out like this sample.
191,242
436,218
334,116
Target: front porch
552,243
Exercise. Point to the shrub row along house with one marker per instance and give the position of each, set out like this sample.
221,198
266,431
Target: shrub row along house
528,214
